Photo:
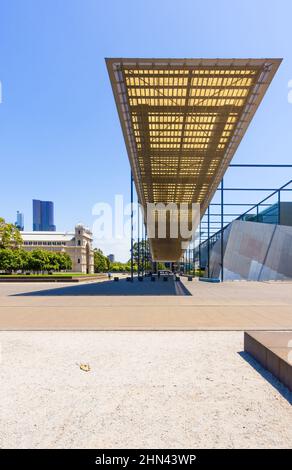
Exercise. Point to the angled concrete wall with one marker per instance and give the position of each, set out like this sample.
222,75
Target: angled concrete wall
254,251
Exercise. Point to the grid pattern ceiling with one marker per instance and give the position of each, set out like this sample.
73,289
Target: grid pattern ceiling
183,120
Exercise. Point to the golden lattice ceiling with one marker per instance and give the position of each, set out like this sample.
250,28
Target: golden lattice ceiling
183,120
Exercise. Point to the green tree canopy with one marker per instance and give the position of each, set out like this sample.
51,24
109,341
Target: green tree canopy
7,260
10,236
34,261
64,261
101,262
141,250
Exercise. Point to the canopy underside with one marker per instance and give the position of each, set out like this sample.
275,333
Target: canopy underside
182,122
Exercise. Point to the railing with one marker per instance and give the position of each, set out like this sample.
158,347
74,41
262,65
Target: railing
268,210
259,216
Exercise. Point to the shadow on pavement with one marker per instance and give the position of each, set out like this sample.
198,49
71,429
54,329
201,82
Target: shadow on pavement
267,376
112,288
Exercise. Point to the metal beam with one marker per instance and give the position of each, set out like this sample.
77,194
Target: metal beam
255,165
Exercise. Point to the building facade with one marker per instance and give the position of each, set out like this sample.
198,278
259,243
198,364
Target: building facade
77,244
19,220
43,216
253,251
279,213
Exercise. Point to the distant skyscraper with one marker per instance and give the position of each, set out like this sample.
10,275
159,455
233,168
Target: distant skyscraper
111,257
19,220
43,216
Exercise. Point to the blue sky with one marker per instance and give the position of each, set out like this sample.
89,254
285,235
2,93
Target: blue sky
60,137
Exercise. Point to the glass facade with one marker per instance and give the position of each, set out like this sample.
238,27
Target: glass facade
19,220
267,216
43,216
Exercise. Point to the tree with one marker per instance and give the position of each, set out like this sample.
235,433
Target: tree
38,261
35,261
20,260
117,267
10,236
101,262
24,257
13,260
64,261
53,262
7,260
141,250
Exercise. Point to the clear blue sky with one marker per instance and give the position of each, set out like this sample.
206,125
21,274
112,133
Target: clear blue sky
60,137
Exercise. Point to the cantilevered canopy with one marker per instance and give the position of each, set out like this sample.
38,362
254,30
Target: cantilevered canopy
183,120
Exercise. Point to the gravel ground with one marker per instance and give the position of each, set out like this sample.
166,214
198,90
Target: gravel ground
143,390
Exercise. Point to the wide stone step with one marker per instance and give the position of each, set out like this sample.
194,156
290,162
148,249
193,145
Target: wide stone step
273,350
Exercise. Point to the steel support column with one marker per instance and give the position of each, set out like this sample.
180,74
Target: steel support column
143,248
279,207
146,251
138,237
200,240
208,247
132,227
222,234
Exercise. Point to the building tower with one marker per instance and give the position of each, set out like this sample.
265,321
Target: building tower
19,220
43,216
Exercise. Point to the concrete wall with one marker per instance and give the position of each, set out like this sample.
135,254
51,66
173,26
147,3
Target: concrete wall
254,251
215,254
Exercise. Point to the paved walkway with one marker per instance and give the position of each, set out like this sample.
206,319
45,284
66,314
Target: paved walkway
227,306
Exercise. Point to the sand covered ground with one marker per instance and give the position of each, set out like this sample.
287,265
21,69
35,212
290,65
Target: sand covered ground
144,389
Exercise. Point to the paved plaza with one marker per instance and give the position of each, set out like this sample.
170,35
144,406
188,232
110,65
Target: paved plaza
109,305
